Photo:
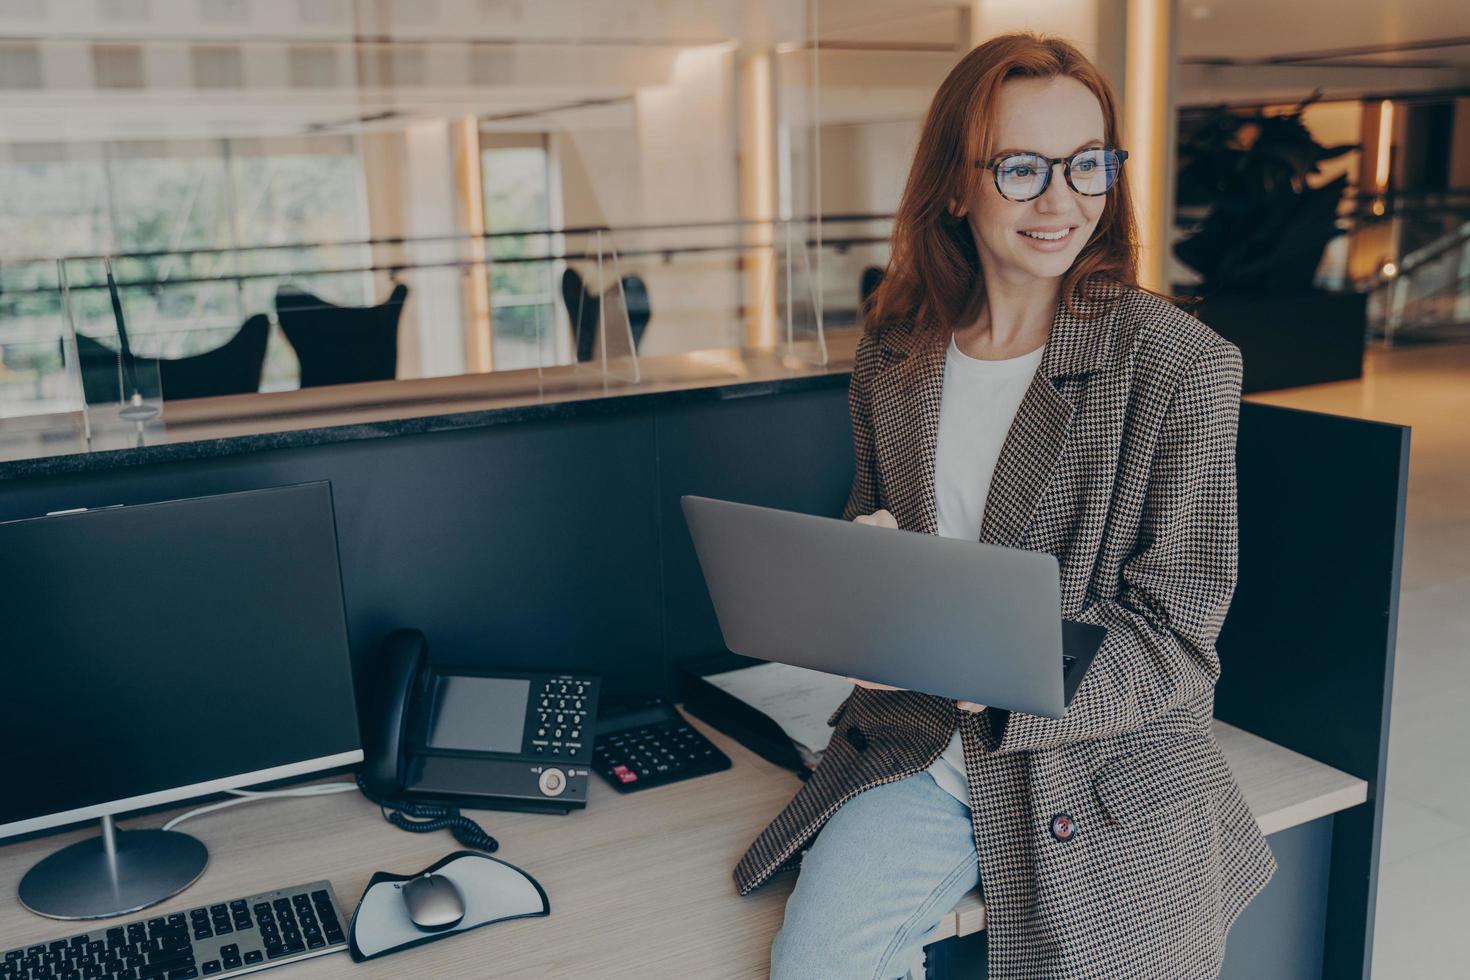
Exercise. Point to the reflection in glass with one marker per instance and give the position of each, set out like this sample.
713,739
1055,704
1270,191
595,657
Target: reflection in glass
659,167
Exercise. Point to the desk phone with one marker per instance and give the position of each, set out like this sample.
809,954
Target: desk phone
484,738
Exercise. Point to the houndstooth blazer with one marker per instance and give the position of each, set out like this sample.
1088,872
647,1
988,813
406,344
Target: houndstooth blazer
1113,842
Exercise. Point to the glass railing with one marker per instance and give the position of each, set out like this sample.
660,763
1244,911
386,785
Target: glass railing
63,390
594,302
1425,295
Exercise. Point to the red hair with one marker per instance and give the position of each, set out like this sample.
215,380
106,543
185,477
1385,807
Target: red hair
933,267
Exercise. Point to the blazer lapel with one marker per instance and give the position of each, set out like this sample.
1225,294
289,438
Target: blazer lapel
905,407
1078,345
906,394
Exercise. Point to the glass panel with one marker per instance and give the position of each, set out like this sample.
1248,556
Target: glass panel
496,161
522,336
121,385
854,254
40,402
805,340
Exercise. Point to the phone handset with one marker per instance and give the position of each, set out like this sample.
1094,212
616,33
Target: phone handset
401,666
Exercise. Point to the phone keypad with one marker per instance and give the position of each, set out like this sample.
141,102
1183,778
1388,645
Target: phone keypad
560,717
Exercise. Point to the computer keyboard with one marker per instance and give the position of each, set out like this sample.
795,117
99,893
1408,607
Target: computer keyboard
223,940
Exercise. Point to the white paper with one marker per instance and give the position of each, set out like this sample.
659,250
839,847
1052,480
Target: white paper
798,699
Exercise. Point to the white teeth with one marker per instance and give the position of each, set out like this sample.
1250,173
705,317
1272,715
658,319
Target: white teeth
1048,236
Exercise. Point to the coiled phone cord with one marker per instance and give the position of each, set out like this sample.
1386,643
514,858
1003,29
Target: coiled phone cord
423,818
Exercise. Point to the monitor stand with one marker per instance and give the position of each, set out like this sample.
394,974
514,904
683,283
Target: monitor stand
122,871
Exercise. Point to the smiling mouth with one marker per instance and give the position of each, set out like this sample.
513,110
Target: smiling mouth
1048,236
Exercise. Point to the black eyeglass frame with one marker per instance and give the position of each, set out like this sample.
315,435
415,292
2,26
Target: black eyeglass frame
1051,162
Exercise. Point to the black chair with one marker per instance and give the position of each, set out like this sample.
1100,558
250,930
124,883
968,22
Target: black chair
340,345
233,368
639,312
584,309
868,284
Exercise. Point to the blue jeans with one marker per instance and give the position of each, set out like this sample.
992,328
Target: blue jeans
888,865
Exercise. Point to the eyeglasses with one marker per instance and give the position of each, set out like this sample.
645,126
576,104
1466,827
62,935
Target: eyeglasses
1024,176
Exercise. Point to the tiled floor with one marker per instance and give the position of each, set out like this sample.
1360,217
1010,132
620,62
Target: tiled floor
1425,875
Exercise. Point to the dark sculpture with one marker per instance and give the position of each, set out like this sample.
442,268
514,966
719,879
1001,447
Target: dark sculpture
1266,228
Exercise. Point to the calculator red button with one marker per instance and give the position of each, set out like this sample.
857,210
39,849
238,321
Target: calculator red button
624,774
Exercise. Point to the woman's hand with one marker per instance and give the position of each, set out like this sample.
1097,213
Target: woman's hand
874,686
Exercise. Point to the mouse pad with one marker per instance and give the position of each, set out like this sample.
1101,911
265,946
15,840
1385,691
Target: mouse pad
493,892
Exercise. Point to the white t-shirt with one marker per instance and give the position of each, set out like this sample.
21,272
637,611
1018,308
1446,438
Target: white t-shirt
978,403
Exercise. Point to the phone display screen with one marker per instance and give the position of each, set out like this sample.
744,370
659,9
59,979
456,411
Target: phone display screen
478,714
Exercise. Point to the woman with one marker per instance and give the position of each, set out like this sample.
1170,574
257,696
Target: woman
1014,385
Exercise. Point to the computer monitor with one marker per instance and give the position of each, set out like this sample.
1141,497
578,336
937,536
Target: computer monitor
158,652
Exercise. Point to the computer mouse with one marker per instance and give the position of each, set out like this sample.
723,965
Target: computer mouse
434,902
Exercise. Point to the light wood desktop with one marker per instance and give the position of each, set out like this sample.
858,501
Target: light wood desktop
639,885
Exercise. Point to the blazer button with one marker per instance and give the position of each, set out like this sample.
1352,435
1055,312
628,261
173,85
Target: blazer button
856,738
1063,827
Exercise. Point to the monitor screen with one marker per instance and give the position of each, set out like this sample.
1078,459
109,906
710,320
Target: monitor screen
155,652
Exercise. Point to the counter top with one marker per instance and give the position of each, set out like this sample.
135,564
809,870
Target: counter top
237,424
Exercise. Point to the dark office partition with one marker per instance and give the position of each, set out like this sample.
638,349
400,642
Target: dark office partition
794,453
1281,934
559,542
1307,649
1287,340
513,544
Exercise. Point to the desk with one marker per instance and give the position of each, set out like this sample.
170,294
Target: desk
639,885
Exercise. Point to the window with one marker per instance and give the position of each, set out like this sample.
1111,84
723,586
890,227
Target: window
516,174
196,210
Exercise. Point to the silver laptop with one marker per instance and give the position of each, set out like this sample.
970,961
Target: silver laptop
955,618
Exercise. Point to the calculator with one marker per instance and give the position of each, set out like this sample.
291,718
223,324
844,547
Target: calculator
652,745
